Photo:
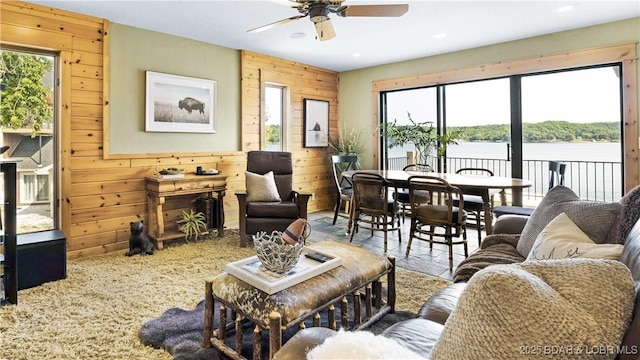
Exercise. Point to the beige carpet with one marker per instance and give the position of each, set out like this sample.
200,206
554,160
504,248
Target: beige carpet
97,311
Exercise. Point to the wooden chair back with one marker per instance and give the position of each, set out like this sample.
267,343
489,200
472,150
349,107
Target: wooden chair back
438,208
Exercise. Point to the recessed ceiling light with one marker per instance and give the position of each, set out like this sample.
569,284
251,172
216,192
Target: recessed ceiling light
440,36
298,35
565,8
356,54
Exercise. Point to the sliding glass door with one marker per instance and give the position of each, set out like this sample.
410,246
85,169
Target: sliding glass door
420,105
574,117
481,106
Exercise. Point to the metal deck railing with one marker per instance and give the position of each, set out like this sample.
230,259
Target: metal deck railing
591,180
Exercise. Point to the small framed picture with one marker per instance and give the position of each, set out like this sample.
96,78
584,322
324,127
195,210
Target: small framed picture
316,123
179,104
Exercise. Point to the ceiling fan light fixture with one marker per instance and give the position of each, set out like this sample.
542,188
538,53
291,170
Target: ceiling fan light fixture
318,13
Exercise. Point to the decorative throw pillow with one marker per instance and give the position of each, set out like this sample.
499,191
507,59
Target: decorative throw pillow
593,218
360,345
261,187
562,239
538,309
627,218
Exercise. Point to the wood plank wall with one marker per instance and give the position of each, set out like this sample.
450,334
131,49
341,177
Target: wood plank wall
312,170
99,197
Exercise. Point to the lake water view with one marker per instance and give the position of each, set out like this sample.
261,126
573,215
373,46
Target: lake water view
582,151
586,151
594,169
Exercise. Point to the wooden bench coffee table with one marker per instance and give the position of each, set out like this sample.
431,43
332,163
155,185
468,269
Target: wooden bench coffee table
361,271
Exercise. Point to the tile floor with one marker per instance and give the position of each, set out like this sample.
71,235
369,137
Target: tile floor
422,259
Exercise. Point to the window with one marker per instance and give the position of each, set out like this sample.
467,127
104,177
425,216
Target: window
275,133
34,188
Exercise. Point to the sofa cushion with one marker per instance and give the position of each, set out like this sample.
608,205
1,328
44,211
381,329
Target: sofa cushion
264,209
360,345
261,187
593,218
561,239
631,258
627,217
441,304
510,224
519,311
417,335
631,253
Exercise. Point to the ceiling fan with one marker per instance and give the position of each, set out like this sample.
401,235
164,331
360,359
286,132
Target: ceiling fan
319,10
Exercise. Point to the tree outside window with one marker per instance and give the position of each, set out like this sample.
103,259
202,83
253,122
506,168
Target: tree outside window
25,101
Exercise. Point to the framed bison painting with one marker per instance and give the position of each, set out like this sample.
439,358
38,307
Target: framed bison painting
179,104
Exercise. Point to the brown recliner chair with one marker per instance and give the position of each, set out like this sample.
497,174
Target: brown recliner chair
268,216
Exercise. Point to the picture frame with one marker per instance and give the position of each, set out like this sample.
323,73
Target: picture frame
176,103
316,123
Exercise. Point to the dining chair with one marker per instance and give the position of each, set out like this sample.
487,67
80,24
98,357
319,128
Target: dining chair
474,203
373,208
402,195
437,212
556,177
343,185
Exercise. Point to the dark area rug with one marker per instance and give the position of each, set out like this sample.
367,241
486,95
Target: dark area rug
180,332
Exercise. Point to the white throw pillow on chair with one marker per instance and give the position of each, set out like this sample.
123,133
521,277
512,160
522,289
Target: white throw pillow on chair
261,187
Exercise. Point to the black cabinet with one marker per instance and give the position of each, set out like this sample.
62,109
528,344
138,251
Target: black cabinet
42,257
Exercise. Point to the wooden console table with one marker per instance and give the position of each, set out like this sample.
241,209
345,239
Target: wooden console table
158,190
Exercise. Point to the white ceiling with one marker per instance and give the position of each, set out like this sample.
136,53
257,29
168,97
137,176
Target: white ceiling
467,24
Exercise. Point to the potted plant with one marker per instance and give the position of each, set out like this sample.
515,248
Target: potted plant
422,135
347,143
192,224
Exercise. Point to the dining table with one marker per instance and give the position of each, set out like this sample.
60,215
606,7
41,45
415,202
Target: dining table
470,184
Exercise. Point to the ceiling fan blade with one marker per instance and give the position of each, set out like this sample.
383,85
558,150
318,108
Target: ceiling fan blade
375,10
272,25
325,30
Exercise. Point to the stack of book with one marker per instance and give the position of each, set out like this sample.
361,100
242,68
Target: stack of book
209,207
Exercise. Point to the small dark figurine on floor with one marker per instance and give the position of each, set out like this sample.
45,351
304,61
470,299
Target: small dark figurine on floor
139,241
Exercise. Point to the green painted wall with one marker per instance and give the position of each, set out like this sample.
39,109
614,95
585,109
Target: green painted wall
132,52
356,86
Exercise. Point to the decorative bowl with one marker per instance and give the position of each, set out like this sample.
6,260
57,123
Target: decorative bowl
171,171
274,253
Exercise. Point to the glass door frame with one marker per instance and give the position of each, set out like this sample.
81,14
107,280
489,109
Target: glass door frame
54,195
